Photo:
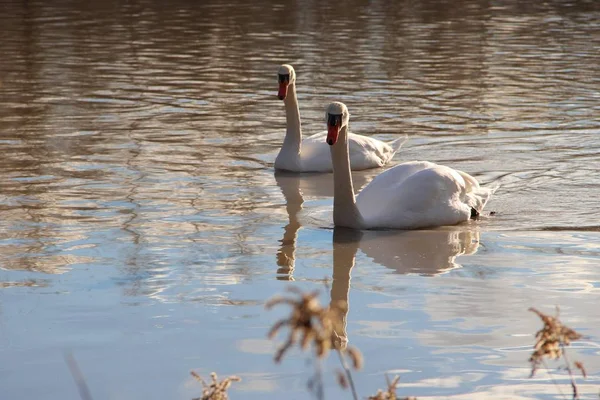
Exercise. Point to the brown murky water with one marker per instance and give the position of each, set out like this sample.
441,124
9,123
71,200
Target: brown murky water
142,225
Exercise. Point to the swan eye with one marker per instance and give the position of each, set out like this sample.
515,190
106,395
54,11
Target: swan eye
284,78
334,119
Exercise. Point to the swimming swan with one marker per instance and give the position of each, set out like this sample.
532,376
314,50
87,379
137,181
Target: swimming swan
411,195
309,155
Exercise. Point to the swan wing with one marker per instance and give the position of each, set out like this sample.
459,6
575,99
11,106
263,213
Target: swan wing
365,152
314,153
388,181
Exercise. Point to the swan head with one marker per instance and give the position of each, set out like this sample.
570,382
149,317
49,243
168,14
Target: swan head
337,116
285,76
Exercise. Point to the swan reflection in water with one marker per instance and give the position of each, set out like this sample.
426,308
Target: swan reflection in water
294,187
423,252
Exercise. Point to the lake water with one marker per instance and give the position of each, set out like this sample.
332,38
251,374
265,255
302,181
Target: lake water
142,225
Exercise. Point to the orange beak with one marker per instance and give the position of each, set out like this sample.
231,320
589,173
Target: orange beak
332,134
282,90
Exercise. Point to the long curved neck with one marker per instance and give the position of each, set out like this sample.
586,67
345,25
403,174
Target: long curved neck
293,134
345,212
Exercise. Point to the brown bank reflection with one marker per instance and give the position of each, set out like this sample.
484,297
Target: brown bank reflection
424,252
294,188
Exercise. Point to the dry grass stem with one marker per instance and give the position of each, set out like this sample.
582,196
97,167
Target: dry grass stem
84,391
390,393
215,390
551,339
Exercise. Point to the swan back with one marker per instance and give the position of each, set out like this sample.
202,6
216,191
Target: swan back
417,194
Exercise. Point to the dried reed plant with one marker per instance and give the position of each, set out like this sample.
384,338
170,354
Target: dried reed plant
551,341
310,323
390,393
215,390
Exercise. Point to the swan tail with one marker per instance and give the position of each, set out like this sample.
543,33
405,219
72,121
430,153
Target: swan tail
478,197
471,183
396,144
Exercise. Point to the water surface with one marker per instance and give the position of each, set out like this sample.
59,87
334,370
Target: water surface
142,226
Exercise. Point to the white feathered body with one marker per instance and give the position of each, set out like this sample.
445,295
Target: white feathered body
365,152
420,194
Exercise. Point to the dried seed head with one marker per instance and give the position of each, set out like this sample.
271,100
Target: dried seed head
356,357
390,393
341,379
308,322
551,339
579,365
216,390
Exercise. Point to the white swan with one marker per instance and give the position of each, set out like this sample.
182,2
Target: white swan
411,195
309,155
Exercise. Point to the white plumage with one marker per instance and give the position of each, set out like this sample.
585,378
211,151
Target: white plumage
299,154
411,195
